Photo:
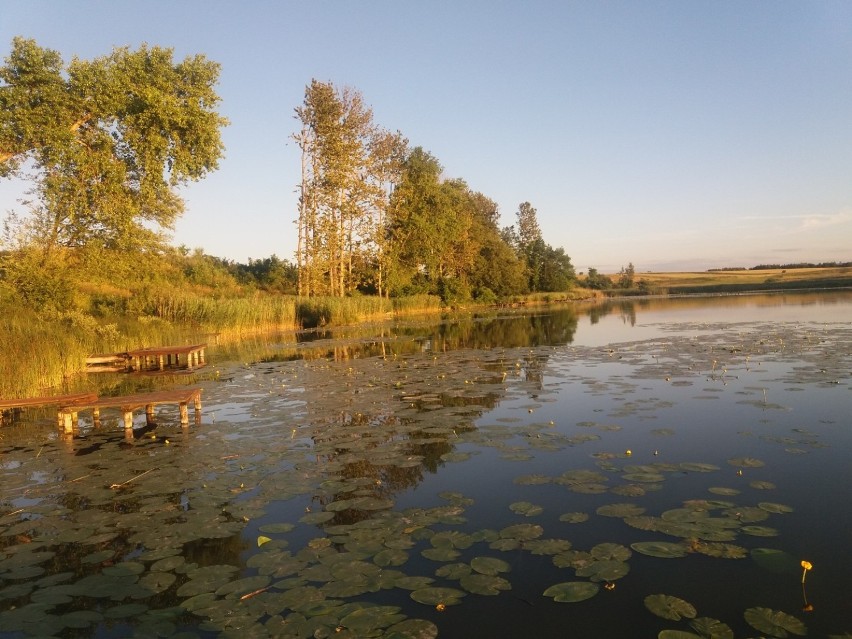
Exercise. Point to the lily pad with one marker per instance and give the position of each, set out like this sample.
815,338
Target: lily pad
522,532
572,591
434,596
454,571
608,570
480,584
772,507
663,549
390,557
366,620
525,508
610,551
711,628
489,565
670,607
746,462
774,622
574,518
413,629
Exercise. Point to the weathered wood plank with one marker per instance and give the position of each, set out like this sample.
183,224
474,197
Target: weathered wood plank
129,403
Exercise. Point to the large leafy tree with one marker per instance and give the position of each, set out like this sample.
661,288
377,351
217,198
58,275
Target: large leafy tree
107,141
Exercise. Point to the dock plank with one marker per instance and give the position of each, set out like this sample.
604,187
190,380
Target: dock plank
129,403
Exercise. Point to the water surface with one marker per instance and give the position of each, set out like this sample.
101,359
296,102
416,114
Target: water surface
440,477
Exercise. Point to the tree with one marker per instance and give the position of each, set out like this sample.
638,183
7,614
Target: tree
625,276
597,281
349,167
108,140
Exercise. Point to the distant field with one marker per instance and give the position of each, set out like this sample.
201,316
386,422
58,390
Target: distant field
769,279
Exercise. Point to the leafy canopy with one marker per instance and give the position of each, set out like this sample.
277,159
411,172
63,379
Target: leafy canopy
108,140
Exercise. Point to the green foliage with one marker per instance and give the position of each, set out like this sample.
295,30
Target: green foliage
626,275
107,140
39,281
595,280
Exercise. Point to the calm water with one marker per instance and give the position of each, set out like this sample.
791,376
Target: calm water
427,478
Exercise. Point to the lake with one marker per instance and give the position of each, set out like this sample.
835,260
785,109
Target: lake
648,468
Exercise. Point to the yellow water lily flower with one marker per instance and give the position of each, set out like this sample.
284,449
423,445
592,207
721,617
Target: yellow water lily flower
806,565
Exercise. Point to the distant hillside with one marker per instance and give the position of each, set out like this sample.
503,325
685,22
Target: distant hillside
738,280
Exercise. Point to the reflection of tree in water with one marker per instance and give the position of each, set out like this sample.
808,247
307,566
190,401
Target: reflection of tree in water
626,310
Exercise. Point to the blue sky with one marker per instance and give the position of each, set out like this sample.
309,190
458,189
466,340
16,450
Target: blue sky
677,135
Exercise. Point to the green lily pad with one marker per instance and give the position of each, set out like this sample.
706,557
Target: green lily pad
774,622
677,634
434,596
759,531
441,554
574,518
772,507
454,571
572,591
762,485
723,490
669,607
522,532
608,570
711,628
609,551
413,583
720,550
157,582
698,467
451,539
489,565
479,584
620,510
272,529
317,518
525,508
663,549
390,557
366,620
412,629
746,462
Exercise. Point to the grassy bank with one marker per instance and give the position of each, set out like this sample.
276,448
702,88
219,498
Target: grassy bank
45,353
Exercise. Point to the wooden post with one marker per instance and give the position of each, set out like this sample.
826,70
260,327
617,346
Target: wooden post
128,419
149,414
160,362
201,356
96,416
184,414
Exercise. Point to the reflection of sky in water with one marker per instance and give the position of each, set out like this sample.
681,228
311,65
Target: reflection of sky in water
645,319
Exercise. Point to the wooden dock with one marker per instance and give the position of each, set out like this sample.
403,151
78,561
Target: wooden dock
154,359
63,402
129,403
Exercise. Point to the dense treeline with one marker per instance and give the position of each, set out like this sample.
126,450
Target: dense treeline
768,267
378,217
105,144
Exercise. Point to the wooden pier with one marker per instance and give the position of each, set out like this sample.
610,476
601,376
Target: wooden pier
63,402
129,403
155,359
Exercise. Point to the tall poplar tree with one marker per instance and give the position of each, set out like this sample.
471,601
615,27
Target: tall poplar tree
347,166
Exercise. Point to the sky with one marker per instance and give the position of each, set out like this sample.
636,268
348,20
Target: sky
673,134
